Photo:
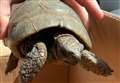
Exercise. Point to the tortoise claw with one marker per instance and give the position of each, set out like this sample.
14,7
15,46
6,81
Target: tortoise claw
33,62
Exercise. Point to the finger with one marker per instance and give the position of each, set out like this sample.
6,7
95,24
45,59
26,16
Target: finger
83,14
93,8
4,7
80,10
4,20
4,17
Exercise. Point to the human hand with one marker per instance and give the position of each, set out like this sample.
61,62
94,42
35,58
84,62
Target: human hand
85,9
4,17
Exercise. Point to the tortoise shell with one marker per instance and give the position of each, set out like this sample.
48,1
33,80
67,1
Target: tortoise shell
35,15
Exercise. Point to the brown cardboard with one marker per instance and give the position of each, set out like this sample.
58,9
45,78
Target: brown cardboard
105,36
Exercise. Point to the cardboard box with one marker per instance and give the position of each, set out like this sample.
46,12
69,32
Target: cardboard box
105,36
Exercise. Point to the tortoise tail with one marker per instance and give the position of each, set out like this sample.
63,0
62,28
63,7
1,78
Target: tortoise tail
11,64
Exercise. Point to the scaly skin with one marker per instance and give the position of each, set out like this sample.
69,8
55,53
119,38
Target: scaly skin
49,27
65,47
74,52
33,62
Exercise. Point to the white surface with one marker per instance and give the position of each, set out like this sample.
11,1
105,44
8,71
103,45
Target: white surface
4,51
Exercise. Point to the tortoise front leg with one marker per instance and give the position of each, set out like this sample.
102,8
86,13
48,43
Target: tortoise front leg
70,50
33,62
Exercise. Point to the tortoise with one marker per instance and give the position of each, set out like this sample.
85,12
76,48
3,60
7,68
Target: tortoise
41,31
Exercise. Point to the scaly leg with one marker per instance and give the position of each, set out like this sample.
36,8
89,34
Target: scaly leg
72,51
33,62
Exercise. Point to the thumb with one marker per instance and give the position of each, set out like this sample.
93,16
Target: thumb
93,8
4,17
4,20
